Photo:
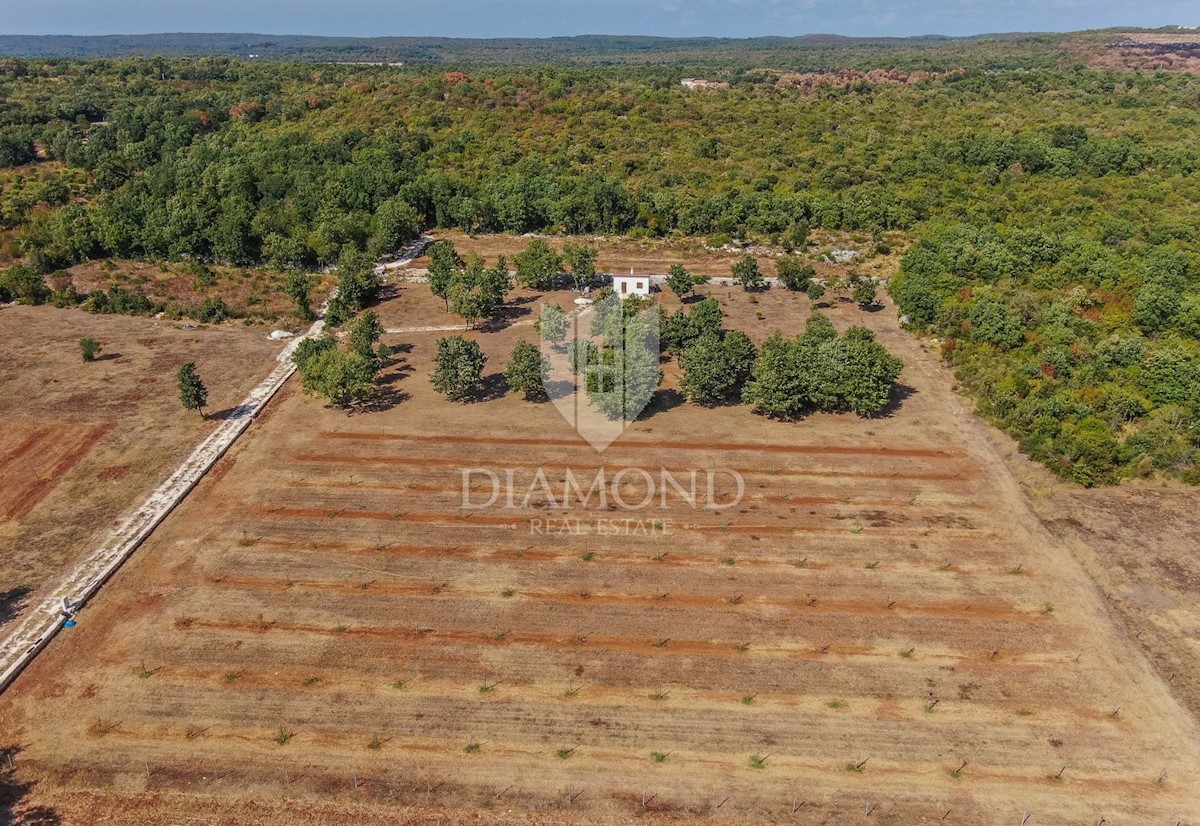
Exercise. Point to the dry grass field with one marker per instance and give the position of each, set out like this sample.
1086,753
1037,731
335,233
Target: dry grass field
81,443
881,630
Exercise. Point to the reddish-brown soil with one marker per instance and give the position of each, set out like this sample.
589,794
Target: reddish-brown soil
41,457
324,631
83,442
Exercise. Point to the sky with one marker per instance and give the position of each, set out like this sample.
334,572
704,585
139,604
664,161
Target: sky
546,18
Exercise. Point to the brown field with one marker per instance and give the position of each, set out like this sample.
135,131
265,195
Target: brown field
654,256
322,632
83,442
1140,544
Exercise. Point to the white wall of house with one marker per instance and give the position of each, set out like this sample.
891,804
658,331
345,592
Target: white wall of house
627,285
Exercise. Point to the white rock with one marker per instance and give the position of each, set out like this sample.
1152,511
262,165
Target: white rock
280,335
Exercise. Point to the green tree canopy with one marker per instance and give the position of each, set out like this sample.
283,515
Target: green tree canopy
552,324
538,265
444,261
747,275
298,287
794,274
458,368
715,368
683,283
193,395
527,371
341,376
582,261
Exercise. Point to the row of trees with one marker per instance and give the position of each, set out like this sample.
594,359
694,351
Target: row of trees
467,287
459,363
820,370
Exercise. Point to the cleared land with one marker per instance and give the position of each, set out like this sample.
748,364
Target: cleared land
1140,544
881,624
83,442
654,256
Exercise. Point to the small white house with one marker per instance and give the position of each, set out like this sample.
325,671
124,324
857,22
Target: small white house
627,285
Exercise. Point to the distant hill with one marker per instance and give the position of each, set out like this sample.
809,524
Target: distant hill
807,51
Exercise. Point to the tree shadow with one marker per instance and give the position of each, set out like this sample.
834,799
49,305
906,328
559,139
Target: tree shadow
560,389
504,318
662,401
383,399
386,395
239,411
899,393
11,603
14,791
399,374
107,357
494,387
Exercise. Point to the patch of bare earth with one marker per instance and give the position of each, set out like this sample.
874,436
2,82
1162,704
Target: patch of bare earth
81,443
1140,544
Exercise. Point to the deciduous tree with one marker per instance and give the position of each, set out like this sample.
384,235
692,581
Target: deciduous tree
298,287
747,275
538,265
552,324
582,261
458,368
527,371
794,274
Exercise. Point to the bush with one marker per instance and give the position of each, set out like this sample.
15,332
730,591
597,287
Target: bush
118,301
24,285
213,311
89,348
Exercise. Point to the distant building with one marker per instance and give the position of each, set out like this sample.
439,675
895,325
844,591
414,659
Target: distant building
627,285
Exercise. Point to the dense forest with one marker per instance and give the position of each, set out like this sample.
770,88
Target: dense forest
1052,209
807,52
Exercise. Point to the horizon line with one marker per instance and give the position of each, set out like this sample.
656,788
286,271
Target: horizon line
925,36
